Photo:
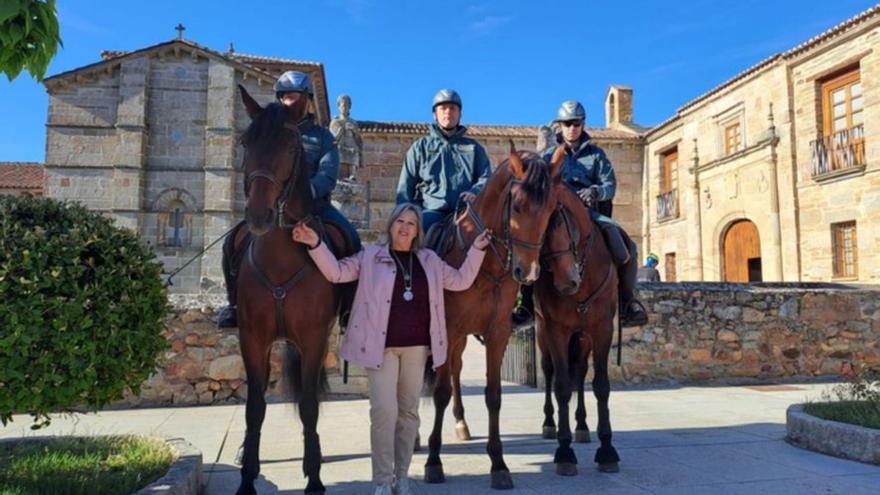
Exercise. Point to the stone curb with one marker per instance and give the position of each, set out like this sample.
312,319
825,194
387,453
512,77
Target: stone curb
184,477
831,437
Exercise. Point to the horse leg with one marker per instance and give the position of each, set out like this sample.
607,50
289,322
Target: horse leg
495,347
461,427
256,364
311,369
606,455
581,430
548,429
442,394
565,459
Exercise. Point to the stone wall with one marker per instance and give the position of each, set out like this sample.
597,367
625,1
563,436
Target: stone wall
758,332
697,332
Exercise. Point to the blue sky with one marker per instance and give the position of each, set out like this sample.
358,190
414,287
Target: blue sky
513,61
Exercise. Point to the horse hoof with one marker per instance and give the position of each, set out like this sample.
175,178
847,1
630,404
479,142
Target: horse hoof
501,480
462,432
434,474
239,456
566,469
609,467
418,444
549,432
582,436
246,490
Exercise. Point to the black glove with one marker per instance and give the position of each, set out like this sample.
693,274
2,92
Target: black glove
590,196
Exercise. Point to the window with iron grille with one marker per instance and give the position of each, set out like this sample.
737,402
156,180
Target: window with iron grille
845,250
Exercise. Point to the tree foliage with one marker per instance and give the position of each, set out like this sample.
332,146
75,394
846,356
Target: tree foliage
29,36
82,309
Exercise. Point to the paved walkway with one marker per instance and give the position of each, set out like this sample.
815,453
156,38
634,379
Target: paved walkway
688,440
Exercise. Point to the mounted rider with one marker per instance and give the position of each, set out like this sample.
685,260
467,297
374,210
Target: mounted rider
321,159
445,166
589,173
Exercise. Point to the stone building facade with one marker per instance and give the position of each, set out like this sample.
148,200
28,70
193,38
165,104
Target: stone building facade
775,174
753,180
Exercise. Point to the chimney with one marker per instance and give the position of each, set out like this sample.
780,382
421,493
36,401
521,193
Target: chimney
618,106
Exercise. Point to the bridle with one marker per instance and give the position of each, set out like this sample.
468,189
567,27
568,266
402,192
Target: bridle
280,208
580,261
508,240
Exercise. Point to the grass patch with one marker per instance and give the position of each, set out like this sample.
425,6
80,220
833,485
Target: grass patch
861,413
856,402
117,465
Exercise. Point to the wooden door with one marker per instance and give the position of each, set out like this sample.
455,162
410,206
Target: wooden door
742,253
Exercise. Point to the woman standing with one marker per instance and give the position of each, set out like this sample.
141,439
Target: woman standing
397,321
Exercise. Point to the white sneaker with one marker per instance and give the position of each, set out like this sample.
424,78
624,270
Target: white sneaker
384,489
401,487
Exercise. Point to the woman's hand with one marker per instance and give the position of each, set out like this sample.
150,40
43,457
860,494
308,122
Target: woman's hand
306,235
482,240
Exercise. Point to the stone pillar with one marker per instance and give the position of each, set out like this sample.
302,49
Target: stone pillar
131,134
696,238
219,167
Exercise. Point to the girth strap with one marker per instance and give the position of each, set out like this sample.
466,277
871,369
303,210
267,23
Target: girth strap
279,292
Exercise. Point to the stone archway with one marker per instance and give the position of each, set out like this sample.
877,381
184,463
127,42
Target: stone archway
741,253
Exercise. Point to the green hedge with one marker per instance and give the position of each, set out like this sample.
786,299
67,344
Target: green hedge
82,307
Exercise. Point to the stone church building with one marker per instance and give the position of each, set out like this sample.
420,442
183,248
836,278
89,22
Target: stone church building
771,176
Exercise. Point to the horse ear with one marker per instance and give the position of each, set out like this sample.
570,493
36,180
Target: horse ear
517,167
253,108
556,162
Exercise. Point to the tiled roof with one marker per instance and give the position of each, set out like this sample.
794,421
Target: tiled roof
797,50
21,175
480,130
259,59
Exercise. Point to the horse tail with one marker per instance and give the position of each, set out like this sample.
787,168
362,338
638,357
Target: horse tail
430,378
293,373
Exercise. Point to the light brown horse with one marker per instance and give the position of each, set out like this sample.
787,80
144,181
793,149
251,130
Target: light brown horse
280,293
573,324
516,205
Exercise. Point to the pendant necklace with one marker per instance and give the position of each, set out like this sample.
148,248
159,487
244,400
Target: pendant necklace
407,277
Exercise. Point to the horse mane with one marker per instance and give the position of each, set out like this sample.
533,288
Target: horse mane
267,127
535,187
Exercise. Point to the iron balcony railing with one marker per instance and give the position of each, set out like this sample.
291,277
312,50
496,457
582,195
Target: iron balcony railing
667,205
839,151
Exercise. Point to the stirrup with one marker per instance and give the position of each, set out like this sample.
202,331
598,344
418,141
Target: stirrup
634,317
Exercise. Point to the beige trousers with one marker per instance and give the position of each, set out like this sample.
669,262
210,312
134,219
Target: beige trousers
394,410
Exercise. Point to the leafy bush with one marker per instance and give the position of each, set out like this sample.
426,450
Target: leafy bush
857,401
28,36
82,307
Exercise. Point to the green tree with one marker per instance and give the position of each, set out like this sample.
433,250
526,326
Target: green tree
82,309
29,36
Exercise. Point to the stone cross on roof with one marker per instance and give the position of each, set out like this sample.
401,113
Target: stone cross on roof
180,29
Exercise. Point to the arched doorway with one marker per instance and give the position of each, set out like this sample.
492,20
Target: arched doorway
742,253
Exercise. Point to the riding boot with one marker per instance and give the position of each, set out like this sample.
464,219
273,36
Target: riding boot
616,241
524,313
632,312
231,264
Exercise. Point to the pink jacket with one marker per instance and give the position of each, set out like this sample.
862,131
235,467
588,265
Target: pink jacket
364,342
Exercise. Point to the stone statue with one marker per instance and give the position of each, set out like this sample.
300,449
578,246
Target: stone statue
348,139
546,139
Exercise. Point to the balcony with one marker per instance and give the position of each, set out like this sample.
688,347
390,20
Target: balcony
667,205
838,153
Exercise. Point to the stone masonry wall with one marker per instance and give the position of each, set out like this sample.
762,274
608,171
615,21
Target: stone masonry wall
697,332
742,332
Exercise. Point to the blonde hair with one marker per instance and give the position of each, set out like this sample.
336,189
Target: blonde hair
398,210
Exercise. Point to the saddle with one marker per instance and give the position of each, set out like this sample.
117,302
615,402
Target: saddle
439,237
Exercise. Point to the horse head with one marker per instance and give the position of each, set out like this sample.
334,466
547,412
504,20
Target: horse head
531,186
559,256
272,161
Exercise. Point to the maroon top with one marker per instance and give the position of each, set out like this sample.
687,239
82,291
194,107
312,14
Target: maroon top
410,321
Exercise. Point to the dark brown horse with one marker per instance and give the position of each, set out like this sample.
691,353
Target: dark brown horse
573,324
516,205
280,294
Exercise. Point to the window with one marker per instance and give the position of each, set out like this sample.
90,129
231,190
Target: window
670,267
842,103
732,138
174,226
845,250
667,200
842,143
